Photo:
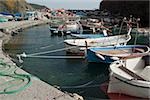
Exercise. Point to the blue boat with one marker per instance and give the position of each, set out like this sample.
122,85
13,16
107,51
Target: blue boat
113,53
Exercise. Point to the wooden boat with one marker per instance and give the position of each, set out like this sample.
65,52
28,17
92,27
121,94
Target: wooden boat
81,44
113,53
130,77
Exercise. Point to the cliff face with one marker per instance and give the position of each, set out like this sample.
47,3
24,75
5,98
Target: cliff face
126,8
13,6
36,6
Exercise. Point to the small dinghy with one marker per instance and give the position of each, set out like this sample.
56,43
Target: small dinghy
113,53
130,77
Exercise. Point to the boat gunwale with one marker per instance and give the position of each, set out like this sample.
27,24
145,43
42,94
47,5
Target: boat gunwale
144,47
70,41
133,82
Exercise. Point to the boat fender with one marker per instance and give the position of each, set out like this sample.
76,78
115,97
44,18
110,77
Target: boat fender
115,58
105,33
56,31
100,56
68,32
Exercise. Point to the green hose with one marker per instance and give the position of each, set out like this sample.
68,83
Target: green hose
13,82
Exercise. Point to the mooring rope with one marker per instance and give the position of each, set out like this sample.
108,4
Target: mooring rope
39,55
57,57
78,86
52,51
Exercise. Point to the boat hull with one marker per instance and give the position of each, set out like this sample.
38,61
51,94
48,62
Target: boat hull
117,85
81,44
75,50
130,77
117,96
102,54
92,57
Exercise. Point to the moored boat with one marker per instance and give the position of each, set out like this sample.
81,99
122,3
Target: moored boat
81,44
67,28
113,53
130,77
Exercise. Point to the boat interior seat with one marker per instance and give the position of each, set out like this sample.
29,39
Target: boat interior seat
137,50
145,74
112,52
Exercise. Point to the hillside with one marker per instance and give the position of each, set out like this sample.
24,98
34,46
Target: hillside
13,6
125,8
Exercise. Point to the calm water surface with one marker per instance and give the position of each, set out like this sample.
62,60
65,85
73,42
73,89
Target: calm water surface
72,75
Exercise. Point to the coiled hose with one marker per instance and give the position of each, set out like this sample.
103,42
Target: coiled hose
10,81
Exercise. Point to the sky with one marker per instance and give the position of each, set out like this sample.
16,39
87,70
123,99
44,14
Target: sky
68,4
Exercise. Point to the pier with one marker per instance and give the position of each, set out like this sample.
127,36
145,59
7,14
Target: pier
36,89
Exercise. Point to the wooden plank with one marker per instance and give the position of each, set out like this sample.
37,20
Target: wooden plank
131,73
113,52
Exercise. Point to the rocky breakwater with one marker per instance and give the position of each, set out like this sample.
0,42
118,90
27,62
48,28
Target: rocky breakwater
137,8
15,83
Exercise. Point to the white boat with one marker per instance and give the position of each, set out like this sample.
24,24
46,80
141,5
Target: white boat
67,28
81,44
73,27
130,77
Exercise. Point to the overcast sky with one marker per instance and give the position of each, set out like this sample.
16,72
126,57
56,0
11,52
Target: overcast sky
68,4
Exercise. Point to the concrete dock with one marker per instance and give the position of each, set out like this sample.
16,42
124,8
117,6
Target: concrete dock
37,90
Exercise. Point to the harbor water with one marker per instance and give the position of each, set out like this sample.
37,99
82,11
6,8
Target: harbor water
71,75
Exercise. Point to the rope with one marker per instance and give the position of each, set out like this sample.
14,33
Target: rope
52,51
57,57
79,86
12,81
35,55
91,84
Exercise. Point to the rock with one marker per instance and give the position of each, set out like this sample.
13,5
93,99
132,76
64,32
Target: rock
126,8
